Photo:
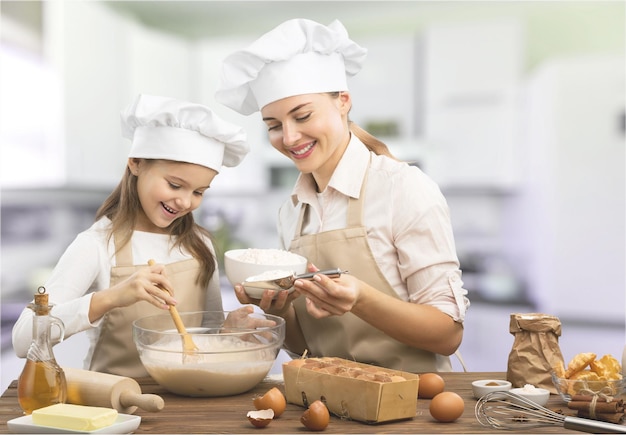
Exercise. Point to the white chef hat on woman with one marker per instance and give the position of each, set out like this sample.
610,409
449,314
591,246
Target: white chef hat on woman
171,129
297,57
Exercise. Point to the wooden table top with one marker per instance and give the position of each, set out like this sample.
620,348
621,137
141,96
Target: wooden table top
228,414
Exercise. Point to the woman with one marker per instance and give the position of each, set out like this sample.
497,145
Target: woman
102,283
353,206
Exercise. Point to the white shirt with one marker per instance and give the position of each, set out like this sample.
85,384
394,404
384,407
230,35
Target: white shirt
407,220
84,268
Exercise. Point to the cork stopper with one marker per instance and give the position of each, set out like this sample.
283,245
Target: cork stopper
40,306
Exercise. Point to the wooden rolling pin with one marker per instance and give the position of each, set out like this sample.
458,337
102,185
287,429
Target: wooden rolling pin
85,387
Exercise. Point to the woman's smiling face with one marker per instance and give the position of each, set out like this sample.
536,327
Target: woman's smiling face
311,129
168,190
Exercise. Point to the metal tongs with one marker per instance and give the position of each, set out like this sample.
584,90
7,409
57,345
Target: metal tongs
286,282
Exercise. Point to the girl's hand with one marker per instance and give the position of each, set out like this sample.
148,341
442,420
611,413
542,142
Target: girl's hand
148,284
240,319
143,285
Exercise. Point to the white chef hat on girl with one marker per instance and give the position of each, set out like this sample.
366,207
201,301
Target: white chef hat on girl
171,129
297,57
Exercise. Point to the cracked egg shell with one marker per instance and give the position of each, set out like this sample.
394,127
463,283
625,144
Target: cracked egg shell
260,418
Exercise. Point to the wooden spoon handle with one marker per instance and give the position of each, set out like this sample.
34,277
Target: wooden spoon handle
188,343
180,327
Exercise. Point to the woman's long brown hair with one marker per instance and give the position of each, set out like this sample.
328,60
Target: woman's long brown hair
122,207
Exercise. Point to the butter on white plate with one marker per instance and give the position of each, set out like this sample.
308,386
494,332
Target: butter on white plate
124,423
74,417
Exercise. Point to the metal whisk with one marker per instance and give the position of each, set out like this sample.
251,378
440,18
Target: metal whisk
505,410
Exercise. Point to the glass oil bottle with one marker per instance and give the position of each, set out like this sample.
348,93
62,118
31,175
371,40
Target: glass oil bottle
42,381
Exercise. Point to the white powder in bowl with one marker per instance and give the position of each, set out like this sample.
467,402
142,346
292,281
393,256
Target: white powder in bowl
276,257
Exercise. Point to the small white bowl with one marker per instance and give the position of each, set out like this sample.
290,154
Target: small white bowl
484,386
538,395
238,266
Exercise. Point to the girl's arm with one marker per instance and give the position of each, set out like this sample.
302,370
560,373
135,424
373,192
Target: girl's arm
73,278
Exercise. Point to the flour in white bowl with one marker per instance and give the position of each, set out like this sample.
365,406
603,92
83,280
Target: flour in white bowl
277,257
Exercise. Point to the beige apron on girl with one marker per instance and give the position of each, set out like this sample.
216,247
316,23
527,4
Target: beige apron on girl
348,336
115,351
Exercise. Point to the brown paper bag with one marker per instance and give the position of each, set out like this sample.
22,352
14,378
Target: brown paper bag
535,350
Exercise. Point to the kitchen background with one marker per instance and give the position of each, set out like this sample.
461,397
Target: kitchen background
517,110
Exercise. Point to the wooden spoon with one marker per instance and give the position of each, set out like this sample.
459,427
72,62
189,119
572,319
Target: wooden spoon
189,347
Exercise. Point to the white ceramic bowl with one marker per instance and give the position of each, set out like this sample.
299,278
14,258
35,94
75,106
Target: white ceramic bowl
241,264
484,386
538,395
233,356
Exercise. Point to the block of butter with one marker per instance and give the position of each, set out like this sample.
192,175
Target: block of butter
74,417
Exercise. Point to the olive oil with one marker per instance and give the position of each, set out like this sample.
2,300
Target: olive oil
40,384
42,381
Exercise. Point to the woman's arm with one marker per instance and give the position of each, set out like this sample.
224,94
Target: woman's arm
417,325
429,312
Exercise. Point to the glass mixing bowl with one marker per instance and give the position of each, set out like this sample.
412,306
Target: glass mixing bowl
235,351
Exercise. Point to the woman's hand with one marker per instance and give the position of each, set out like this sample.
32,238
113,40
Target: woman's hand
329,296
149,284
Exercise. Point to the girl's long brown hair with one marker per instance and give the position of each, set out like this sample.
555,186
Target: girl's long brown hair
122,207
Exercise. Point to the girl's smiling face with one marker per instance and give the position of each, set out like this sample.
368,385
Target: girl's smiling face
168,190
311,129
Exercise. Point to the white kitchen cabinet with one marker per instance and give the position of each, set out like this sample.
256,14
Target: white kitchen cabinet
386,94
158,64
103,61
84,43
252,175
472,74
384,90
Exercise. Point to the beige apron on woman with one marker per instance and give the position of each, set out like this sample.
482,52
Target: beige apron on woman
115,351
348,336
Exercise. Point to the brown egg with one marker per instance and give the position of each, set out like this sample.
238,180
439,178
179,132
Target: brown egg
447,406
430,384
272,399
316,417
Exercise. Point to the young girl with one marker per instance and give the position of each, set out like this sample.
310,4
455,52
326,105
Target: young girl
102,283
353,206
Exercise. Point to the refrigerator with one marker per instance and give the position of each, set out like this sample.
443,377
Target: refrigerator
567,223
